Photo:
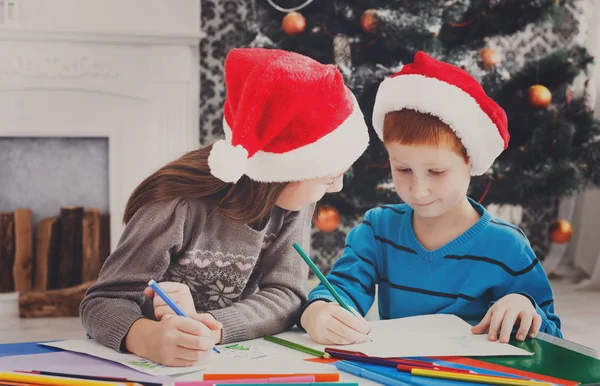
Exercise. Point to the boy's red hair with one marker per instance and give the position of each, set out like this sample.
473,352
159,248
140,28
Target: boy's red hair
410,127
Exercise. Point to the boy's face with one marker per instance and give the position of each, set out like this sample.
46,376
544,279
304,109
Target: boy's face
431,180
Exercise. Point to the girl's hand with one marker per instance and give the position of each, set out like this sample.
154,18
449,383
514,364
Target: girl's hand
328,323
174,341
503,315
180,293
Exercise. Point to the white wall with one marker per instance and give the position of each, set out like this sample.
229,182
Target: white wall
127,70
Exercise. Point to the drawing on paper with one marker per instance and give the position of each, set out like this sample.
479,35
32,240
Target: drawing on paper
143,364
237,347
241,351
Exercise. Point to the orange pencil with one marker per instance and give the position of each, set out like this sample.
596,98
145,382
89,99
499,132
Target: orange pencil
319,377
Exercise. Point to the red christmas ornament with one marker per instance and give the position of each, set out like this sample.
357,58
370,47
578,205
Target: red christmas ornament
327,218
561,232
293,23
368,21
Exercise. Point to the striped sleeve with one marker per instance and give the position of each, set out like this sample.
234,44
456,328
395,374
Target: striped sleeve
354,275
533,284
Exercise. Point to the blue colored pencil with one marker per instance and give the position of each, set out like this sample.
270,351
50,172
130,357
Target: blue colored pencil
163,295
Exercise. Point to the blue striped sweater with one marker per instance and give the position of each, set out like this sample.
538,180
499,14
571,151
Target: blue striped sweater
465,277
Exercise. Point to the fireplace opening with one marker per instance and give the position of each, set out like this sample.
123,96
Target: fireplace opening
54,211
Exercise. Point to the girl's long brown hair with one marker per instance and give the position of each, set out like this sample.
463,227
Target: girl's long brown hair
246,201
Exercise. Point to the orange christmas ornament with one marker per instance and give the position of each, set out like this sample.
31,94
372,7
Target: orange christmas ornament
489,57
368,21
293,23
561,232
327,218
539,96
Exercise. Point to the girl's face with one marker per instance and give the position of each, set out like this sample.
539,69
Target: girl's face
297,195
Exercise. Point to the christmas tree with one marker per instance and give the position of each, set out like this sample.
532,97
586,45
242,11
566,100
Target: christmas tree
553,149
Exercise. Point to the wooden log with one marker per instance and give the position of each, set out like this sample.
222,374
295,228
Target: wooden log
23,266
104,237
70,260
54,253
44,257
60,302
91,244
7,251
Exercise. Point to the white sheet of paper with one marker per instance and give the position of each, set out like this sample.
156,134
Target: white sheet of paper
420,336
88,346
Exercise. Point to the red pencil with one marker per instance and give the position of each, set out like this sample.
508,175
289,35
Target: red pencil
428,365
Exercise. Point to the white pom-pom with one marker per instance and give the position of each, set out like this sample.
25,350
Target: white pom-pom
226,162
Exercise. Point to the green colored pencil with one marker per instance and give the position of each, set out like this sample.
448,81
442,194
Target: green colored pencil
296,346
323,279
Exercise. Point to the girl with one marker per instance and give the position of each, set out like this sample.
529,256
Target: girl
439,252
222,219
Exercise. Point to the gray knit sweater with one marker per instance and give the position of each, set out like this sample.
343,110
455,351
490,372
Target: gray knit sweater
252,281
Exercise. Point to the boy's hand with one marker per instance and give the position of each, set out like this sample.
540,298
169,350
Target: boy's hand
328,323
180,293
503,315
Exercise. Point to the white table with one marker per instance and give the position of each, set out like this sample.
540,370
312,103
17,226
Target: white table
281,360
13,329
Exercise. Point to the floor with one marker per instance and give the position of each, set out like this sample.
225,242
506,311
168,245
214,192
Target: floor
579,311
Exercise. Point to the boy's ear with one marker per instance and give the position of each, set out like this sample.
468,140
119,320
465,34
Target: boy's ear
470,165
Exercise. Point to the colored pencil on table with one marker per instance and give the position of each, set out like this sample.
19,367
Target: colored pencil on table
296,346
235,382
429,365
295,384
88,377
409,368
319,377
476,378
163,295
401,364
55,381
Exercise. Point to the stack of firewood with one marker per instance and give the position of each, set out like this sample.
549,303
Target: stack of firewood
52,277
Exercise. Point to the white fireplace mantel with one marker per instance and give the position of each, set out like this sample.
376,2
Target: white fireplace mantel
127,70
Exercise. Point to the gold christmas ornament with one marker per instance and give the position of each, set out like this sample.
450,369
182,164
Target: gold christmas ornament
368,21
327,218
293,23
539,96
561,232
489,57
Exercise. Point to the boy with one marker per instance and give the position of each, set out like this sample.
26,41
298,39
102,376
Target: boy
440,252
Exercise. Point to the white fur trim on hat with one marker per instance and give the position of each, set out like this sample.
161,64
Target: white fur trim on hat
333,153
451,105
226,162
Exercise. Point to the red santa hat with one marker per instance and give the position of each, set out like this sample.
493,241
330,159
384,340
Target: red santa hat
455,97
286,118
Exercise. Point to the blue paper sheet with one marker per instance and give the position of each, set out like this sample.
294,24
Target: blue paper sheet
26,348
